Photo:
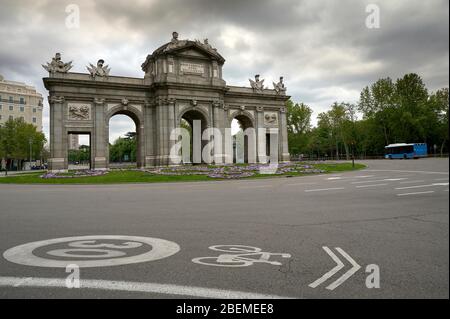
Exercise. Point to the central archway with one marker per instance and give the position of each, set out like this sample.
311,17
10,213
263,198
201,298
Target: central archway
186,120
137,138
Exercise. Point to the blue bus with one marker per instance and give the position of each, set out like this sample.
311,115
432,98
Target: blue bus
405,151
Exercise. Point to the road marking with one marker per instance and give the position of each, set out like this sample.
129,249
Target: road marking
417,193
339,266
23,281
371,181
75,246
254,186
441,179
364,176
411,182
129,286
323,189
420,186
239,256
371,185
329,274
381,180
348,274
333,178
402,171
298,184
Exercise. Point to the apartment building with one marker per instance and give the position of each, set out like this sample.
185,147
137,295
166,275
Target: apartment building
19,100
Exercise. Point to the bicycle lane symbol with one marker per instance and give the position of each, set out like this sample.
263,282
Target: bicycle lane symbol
239,256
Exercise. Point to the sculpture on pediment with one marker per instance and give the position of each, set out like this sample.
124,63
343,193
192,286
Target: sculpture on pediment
257,85
174,43
205,44
279,87
57,66
99,70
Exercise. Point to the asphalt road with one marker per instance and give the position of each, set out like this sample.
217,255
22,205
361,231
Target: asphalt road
394,214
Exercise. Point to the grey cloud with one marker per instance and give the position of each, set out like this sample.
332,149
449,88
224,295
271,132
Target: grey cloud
322,47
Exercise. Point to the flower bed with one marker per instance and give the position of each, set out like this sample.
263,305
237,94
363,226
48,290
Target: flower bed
230,171
74,174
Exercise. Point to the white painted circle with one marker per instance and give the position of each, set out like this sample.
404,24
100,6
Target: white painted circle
161,248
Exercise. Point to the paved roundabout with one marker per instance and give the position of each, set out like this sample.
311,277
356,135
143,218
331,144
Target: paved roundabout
377,233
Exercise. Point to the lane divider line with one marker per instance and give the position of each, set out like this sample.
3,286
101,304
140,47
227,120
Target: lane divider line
403,171
298,184
420,186
371,181
255,186
144,287
324,189
416,193
411,182
371,185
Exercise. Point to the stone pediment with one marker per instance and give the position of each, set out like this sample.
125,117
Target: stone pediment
194,48
185,48
194,53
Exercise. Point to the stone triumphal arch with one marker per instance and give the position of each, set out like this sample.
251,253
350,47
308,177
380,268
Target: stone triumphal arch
183,80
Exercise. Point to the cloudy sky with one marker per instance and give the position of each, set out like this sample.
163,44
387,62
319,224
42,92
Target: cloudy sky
323,48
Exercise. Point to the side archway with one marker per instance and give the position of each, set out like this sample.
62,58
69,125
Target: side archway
245,153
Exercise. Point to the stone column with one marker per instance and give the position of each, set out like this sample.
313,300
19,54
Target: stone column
219,123
150,132
161,128
171,119
58,161
259,123
140,147
284,150
99,147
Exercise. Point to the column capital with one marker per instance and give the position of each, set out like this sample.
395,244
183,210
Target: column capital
99,101
149,103
160,101
171,101
217,103
56,99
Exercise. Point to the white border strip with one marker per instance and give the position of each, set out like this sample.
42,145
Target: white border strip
127,286
417,193
324,189
402,171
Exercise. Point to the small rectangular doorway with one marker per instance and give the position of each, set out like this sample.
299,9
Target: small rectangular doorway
79,151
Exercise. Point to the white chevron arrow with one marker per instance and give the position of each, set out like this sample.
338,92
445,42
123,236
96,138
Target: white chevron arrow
339,266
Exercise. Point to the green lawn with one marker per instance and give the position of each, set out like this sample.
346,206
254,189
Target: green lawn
133,176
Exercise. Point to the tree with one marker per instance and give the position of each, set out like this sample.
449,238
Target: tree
377,103
410,122
123,148
81,155
393,112
298,126
439,105
19,141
